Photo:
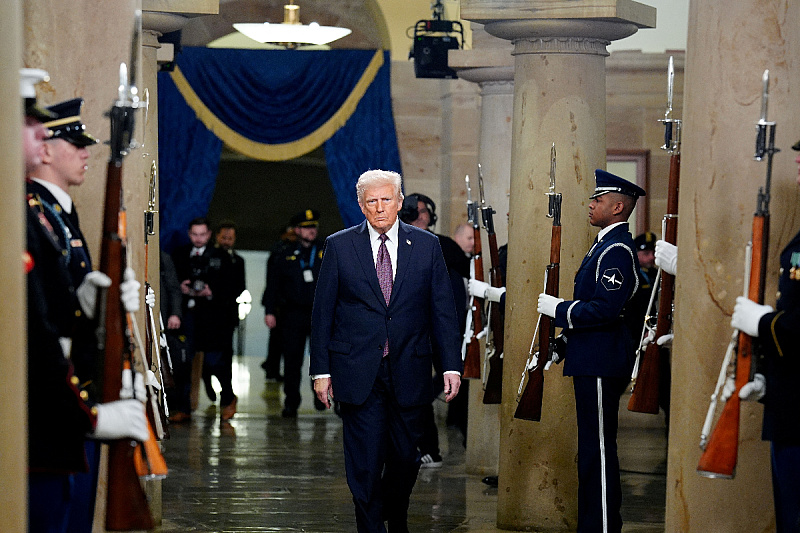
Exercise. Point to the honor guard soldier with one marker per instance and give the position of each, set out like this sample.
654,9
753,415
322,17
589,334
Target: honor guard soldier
289,297
600,348
775,383
62,413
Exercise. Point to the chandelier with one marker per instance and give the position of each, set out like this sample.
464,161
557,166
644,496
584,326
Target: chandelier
291,32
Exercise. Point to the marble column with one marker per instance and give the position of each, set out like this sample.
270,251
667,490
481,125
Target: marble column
729,46
491,66
13,361
559,97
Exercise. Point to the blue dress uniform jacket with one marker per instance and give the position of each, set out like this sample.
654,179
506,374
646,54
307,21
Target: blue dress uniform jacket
598,341
780,343
59,412
351,320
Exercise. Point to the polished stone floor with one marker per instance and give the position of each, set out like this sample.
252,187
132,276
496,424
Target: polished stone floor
262,473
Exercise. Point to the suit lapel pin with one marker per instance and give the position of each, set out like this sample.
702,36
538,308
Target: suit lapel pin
408,242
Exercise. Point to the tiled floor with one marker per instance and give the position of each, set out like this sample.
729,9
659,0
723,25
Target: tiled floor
263,473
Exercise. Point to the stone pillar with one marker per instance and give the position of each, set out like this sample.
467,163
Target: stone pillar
13,362
729,46
491,66
559,97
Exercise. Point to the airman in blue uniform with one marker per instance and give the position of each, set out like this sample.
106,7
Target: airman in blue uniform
600,348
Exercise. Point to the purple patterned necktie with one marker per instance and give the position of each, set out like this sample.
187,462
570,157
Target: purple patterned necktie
383,265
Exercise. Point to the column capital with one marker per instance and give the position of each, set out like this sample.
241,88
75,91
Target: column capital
531,19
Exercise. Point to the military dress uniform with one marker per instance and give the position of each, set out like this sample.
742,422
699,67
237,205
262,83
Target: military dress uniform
780,346
600,351
291,282
60,411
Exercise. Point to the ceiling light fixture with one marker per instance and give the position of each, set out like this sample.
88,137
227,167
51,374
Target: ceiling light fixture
291,32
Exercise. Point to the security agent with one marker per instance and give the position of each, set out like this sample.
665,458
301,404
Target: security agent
775,383
600,349
289,297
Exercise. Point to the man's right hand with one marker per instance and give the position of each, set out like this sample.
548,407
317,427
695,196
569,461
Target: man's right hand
173,322
185,287
270,321
324,391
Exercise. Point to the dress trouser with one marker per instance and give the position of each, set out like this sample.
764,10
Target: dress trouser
786,486
295,329
381,458
599,487
49,500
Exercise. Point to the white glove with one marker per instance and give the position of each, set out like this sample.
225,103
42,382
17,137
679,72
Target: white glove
558,353
481,289
132,387
150,298
746,315
547,304
665,339
129,291
651,334
727,390
477,288
667,256
754,390
121,419
87,291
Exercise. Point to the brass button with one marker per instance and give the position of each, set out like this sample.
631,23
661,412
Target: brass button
74,380
781,270
94,411
778,295
83,264
84,395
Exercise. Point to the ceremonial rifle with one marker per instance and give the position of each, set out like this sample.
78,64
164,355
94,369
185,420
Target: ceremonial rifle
126,506
156,401
646,373
493,362
529,396
471,351
719,456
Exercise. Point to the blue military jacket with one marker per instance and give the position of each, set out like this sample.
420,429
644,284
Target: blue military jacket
599,342
778,338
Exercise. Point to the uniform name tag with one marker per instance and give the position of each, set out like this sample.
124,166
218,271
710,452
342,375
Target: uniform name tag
308,276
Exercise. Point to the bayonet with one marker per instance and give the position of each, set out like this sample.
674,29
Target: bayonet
554,198
672,127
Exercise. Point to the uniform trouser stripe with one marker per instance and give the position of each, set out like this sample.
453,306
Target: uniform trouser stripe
601,433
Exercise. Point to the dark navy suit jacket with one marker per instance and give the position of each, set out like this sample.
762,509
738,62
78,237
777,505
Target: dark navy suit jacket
598,340
351,321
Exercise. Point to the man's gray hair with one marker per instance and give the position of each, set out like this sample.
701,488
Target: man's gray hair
378,178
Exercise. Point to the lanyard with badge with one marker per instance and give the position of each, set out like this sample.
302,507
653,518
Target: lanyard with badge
308,274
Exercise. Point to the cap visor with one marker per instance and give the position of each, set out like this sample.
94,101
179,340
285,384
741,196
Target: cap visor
39,113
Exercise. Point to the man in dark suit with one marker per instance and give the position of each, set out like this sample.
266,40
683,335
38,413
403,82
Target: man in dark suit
193,265
600,348
383,297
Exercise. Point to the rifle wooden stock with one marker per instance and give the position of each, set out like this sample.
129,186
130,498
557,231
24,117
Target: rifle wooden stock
126,506
493,392
646,388
472,360
530,402
719,458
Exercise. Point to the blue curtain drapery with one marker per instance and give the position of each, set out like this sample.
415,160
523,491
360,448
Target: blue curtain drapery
271,105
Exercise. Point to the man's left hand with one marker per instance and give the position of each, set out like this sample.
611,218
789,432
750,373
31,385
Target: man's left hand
747,314
547,304
452,382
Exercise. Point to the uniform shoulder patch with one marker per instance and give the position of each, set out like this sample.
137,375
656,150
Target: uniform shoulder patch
612,279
